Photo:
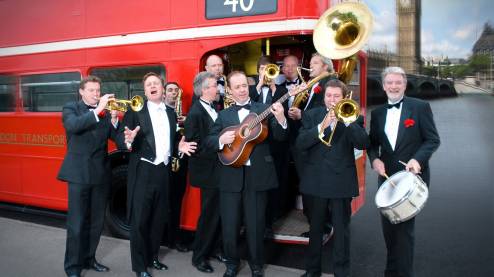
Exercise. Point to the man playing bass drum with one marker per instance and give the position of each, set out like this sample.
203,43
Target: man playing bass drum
330,177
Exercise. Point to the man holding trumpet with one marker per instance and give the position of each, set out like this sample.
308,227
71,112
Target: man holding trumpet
331,177
87,170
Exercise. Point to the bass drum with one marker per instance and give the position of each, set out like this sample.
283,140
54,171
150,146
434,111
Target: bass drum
403,200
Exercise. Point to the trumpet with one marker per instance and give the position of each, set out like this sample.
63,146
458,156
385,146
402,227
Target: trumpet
135,103
271,71
346,111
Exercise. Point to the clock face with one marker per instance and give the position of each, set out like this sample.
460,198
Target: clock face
405,3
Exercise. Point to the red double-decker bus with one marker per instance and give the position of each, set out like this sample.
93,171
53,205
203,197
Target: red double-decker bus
46,47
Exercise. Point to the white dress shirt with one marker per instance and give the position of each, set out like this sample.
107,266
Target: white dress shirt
392,124
212,112
264,91
161,130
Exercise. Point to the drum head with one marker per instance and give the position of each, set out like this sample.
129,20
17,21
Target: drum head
388,195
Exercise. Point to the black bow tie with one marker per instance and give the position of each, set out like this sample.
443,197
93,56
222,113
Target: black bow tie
289,83
89,107
220,82
239,107
209,104
395,105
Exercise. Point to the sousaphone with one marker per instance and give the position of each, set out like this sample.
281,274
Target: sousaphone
343,30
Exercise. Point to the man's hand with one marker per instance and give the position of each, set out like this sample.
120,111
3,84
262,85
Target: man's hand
114,116
130,135
103,101
261,81
413,166
328,120
227,137
378,167
187,147
294,113
278,112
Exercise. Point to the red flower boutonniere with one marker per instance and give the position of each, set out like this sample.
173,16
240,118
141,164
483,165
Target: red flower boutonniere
409,122
102,114
317,89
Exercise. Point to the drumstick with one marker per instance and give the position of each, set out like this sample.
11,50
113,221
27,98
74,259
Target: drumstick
403,163
391,182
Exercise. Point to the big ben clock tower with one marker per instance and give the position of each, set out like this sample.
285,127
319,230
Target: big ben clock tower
408,14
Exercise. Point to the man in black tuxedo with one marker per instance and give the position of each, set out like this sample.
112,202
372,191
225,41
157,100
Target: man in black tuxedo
402,130
265,91
175,237
289,69
87,170
318,65
214,65
244,189
150,135
330,177
203,169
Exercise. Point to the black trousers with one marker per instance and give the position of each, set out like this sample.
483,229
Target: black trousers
341,212
399,240
208,226
85,218
149,214
253,205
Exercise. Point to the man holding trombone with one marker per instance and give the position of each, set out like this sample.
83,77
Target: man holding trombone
331,175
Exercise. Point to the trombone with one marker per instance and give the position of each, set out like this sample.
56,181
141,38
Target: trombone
345,111
135,103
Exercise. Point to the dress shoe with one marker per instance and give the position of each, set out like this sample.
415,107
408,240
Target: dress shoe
230,272
220,257
143,274
204,266
98,267
159,266
311,274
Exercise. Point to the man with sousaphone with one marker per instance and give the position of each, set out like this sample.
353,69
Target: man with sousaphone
311,96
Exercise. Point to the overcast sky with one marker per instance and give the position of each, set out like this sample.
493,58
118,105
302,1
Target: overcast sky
449,27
